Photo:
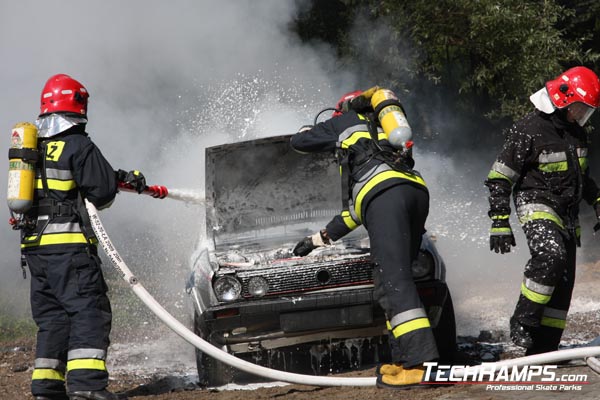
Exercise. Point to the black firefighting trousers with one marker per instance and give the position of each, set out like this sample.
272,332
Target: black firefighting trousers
548,284
73,315
395,220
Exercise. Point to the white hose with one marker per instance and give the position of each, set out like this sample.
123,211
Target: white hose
277,375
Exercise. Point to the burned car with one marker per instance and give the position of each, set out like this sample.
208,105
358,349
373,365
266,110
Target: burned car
254,299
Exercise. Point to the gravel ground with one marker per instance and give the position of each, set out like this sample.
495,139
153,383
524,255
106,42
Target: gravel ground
177,380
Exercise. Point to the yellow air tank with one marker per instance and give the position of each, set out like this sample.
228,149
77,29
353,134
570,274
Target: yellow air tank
388,111
22,157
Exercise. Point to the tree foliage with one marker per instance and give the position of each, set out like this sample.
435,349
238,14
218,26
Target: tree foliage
487,55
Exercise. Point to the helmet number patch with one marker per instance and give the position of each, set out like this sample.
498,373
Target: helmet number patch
54,150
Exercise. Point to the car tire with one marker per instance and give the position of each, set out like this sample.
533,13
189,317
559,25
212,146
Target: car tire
211,372
445,332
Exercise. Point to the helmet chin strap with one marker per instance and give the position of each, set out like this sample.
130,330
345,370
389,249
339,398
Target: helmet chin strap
53,124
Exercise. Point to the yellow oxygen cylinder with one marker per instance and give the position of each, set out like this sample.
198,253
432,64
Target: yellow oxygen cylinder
22,157
392,119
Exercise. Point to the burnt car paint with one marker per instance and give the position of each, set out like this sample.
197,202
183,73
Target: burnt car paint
264,198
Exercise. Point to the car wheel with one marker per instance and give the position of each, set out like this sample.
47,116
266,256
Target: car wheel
211,372
445,332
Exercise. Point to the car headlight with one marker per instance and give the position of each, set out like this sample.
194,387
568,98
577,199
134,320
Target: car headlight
258,286
423,266
227,288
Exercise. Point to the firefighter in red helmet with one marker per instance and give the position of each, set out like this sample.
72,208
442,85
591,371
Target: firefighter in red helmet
543,163
383,192
68,292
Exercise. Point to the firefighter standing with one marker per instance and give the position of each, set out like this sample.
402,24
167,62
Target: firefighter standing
68,292
544,164
382,192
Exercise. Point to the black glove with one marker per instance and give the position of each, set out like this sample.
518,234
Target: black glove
361,104
309,243
597,209
133,178
501,236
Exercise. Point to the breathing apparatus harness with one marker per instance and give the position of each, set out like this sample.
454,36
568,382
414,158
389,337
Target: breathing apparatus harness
399,159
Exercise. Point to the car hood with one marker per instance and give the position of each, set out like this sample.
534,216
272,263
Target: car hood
264,193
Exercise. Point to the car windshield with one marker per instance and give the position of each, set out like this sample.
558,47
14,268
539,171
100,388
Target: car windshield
262,189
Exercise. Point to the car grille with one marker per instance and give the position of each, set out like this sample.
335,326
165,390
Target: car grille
302,278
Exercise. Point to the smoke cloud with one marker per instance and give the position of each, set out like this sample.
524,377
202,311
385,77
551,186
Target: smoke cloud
168,79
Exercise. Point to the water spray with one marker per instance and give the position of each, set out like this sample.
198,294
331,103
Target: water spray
589,353
161,192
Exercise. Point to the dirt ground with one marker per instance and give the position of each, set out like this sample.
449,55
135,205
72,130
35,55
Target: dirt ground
16,359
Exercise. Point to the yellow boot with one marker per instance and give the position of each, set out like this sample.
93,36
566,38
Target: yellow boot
405,379
389,369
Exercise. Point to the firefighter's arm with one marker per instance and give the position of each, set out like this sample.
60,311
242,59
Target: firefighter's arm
95,177
316,139
502,176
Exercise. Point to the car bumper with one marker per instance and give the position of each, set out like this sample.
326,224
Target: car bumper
333,314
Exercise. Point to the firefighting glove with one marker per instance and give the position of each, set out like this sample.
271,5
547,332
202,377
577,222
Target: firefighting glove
501,235
309,243
133,178
597,209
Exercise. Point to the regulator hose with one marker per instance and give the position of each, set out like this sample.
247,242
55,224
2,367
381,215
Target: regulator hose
311,380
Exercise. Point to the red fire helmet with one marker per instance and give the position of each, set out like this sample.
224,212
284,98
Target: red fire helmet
578,84
346,97
63,94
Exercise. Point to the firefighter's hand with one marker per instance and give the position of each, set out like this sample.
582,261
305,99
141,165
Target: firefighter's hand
501,236
309,243
134,178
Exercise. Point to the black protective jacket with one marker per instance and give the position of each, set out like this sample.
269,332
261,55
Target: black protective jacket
70,169
544,164
367,169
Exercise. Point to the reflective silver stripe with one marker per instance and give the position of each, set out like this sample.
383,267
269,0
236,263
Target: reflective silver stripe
506,171
545,158
61,174
407,316
72,227
555,313
351,130
582,152
528,209
97,354
367,176
50,363
538,287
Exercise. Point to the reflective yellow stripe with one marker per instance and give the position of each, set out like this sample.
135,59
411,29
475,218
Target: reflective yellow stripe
54,184
377,180
56,238
554,167
356,136
86,363
410,326
497,175
348,220
541,215
583,163
553,322
533,296
388,325
47,374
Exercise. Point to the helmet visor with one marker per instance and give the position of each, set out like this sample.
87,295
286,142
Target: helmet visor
579,112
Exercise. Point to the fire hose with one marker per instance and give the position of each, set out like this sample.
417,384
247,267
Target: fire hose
118,263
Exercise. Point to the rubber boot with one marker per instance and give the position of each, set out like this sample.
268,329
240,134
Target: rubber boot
93,395
407,378
388,369
53,397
